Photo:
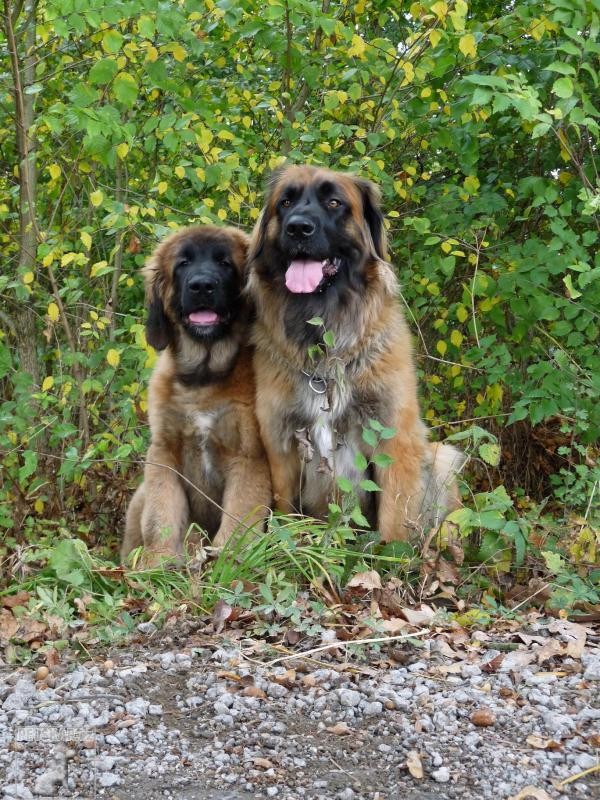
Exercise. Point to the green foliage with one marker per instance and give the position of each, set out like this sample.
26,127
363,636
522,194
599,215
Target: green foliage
478,121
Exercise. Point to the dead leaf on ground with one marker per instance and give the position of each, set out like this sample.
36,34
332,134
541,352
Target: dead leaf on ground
540,743
414,764
221,613
31,629
552,648
18,599
254,691
264,763
574,634
365,580
287,678
419,616
8,625
516,660
394,625
340,729
531,793
494,664
483,717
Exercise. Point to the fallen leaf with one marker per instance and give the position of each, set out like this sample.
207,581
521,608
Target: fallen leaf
414,764
8,625
229,676
308,681
483,717
221,613
18,599
291,636
574,634
254,691
286,679
263,762
394,625
419,616
531,793
494,664
516,660
365,580
552,648
31,629
340,729
542,744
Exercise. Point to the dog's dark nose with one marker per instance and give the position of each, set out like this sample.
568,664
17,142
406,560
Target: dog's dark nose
200,285
299,227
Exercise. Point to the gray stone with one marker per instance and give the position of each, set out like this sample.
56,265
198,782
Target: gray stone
441,775
48,782
138,707
17,790
349,698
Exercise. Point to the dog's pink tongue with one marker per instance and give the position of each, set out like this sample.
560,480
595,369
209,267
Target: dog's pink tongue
303,277
205,317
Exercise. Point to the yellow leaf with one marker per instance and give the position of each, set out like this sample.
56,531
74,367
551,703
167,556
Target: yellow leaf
461,313
180,172
53,312
440,9
67,259
113,357
28,278
48,383
441,347
39,506
96,198
162,187
54,171
222,214
409,73
86,239
122,150
246,122
200,173
471,184
456,338
179,52
152,54
426,92
358,46
446,247
467,45
48,259
434,37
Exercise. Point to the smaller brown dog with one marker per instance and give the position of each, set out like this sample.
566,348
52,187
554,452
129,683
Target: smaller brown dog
205,453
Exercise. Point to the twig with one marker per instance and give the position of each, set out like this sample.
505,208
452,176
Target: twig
324,647
595,768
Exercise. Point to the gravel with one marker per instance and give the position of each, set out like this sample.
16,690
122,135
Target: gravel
206,724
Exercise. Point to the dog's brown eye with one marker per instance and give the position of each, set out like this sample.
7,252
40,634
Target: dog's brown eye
333,203
286,203
183,263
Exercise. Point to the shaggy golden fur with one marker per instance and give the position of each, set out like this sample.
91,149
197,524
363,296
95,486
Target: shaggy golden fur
205,449
312,411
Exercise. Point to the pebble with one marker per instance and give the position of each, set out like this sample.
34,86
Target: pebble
441,775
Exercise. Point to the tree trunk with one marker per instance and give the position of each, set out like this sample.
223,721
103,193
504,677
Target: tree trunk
23,75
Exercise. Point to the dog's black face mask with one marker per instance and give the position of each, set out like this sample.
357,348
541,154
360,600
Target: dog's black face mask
206,289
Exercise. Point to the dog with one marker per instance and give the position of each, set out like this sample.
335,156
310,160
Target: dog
205,452
334,357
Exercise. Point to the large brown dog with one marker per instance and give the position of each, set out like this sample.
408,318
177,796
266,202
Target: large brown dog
318,251
205,450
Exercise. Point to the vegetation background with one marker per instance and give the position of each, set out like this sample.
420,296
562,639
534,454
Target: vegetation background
121,120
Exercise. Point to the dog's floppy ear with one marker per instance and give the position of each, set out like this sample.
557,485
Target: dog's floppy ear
257,241
373,216
159,328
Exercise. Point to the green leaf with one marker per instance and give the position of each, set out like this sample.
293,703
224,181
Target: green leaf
112,41
360,462
561,67
315,321
563,87
30,462
490,453
369,486
370,437
382,460
103,71
345,485
125,88
329,339
358,518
